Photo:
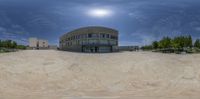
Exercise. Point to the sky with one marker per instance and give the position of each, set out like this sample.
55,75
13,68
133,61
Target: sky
139,22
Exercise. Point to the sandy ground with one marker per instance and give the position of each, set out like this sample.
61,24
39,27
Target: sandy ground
49,74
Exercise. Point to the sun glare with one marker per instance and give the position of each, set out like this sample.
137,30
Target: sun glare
99,12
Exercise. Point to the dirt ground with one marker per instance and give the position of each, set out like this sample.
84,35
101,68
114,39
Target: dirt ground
48,74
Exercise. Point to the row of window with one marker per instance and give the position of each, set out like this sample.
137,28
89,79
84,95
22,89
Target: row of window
84,42
91,35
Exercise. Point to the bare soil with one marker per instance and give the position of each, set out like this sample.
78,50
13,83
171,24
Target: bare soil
49,74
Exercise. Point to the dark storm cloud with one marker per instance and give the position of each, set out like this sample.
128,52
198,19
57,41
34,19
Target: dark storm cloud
138,21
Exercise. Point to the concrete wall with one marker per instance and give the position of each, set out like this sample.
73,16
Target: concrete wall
33,42
43,43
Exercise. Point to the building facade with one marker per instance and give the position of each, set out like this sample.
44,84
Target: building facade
90,39
35,43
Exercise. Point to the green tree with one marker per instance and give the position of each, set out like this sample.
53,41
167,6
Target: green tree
177,42
21,47
3,44
155,45
182,42
189,41
197,43
7,43
147,47
11,44
165,43
0,43
14,44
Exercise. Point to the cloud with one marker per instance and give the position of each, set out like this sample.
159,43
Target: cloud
129,43
144,38
2,30
197,28
145,20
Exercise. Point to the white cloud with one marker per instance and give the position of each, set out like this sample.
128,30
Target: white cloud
197,28
145,39
129,43
2,30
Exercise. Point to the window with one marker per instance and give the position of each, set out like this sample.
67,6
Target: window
104,42
83,36
113,37
78,37
84,42
89,35
107,36
95,35
102,35
92,35
78,42
93,41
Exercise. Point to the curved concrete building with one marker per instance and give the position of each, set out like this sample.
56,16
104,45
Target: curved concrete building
90,39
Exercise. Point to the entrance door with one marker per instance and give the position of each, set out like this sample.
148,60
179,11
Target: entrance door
91,50
96,49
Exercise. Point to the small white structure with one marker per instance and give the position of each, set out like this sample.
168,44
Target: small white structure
35,43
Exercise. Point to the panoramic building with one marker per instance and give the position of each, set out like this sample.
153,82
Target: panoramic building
90,39
35,43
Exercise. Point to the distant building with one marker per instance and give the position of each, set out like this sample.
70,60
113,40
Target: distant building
35,43
54,47
128,48
90,39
